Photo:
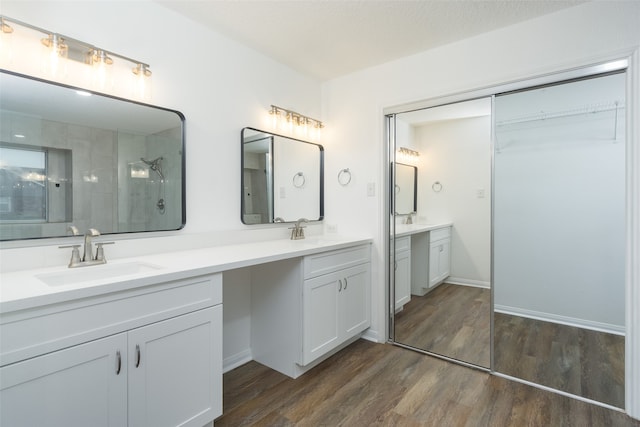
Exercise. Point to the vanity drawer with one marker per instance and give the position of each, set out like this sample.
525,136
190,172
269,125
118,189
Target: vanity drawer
327,262
439,234
33,332
403,244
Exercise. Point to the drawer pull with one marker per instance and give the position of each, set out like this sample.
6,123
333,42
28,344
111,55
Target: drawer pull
345,283
137,355
340,288
118,362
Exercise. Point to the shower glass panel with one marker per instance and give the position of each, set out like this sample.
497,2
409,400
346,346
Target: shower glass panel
559,236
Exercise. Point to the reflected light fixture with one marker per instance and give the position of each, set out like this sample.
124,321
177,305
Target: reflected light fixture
61,48
407,155
293,121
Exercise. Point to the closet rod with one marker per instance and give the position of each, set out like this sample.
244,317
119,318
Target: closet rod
591,109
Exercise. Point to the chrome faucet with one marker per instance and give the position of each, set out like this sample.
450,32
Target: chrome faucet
409,220
88,247
297,231
88,258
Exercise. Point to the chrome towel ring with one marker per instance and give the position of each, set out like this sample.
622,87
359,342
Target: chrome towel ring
344,177
299,180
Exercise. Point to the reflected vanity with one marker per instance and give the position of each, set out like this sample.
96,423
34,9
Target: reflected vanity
70,156
282,178
545,218
441,255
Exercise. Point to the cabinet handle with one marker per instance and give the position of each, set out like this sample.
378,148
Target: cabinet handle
118,362
441,248
340,288
345,283
137,355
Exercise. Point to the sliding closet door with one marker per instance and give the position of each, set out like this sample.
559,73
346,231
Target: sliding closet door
559,236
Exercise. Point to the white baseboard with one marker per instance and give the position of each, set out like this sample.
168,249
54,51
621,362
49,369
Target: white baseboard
373,336
563,320
238,359
468,282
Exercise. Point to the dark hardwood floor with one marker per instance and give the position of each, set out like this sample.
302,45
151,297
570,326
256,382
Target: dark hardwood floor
452,320
576,360
370,384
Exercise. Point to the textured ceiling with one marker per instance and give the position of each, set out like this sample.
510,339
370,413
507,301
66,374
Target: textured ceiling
330,38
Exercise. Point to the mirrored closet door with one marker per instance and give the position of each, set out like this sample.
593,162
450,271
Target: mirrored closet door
559,236
441,230
512,256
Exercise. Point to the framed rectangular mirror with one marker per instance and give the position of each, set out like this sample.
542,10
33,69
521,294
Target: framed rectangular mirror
69,156
406,189
282,178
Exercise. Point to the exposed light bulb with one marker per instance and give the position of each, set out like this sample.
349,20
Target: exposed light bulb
55,58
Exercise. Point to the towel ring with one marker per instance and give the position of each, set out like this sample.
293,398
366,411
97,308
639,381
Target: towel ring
298,182
344,177
436,186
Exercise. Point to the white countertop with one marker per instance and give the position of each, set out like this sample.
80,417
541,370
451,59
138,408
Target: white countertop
22,289
408,229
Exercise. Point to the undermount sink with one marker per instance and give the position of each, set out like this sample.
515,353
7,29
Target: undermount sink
74,276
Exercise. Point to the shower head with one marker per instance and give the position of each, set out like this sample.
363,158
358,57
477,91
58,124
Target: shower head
154,165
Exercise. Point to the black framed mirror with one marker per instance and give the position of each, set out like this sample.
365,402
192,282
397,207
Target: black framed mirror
74,157
282,178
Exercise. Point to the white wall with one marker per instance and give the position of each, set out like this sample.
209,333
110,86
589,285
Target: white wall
457,153
559,228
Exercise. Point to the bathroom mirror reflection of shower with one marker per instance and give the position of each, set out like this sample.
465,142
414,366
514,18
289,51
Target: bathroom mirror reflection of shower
91,161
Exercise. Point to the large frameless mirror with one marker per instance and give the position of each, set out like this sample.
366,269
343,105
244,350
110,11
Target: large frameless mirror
71,157
282,178
441,262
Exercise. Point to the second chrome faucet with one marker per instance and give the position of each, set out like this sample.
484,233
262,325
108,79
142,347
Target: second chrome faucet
87,257
297,231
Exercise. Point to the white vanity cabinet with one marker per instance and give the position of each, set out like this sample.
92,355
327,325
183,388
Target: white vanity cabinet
335,299
402,267
303,311
142,357
439,255
84,385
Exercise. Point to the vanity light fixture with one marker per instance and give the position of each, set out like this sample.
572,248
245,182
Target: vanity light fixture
293,119
406,155
61,48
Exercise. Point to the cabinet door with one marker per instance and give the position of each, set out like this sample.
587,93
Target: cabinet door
320,331
355,305
402,279
444,261
175,370
439,261
84,385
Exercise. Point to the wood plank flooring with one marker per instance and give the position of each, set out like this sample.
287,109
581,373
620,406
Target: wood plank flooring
370,384
579,361
452,320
